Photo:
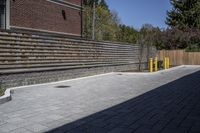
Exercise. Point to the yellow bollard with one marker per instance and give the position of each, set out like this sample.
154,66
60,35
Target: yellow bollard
156,64
165,63
168,65
151,65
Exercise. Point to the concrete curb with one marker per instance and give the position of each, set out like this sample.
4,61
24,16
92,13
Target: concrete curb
150,73
158,72
6,97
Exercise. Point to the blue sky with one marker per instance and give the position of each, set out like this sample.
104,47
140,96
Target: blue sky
138,12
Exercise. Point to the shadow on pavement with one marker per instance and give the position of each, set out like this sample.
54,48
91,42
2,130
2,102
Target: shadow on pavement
171,108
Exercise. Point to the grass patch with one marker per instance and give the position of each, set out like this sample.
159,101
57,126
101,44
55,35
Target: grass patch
1,91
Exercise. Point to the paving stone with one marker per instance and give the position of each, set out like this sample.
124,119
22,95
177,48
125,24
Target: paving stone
159,126
21,130
88,129
121,130
8,127
15,120
111,126
2,131
195,129
145,130
187,123
135,102
36,128
54,117
175,130
3,121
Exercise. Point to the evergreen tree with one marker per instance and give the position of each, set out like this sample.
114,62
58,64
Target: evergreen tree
185,13
104,4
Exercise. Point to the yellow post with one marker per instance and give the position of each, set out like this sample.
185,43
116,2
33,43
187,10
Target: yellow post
156,64
151,64
165,63
168,65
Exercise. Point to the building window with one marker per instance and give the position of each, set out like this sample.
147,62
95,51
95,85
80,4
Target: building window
3,14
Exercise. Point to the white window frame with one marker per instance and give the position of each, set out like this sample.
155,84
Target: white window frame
67,4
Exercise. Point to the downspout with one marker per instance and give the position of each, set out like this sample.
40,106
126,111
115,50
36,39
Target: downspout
81,18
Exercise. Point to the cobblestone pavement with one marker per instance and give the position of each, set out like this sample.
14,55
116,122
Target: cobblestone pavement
166,101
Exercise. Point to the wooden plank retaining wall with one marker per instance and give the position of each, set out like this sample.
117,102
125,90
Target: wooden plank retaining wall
28,57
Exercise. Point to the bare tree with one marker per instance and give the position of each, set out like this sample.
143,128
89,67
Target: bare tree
141,43
140,56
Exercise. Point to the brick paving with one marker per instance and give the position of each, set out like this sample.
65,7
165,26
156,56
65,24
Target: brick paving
163,102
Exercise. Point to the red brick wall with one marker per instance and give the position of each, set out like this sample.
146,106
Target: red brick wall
45,15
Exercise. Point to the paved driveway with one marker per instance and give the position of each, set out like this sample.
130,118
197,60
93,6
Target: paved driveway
166,101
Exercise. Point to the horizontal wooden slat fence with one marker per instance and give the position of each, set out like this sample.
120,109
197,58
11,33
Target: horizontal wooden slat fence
22,53
29,59
180,57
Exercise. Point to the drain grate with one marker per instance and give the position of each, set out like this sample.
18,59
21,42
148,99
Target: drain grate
62,86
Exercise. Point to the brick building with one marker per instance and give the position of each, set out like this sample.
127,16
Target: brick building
42,16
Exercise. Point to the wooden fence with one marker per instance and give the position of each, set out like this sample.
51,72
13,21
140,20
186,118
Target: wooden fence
180,57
